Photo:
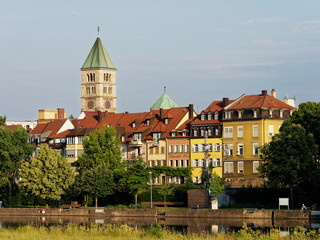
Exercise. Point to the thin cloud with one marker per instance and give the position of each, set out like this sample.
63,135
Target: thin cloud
262,20
310,25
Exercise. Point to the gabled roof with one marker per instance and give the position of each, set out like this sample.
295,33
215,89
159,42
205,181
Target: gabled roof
258,101
215,106
53,127
12,127
98,57
164,102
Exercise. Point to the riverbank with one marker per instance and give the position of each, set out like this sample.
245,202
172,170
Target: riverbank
124,232
160,213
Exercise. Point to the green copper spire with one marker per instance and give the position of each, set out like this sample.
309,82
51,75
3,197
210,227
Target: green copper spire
98,56
164,102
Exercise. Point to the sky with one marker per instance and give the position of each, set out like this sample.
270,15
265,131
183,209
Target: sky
200,50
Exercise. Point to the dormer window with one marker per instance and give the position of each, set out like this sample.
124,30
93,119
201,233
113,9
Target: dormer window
156,136
184,133
148,122
227,115
133,124
216,115
209,132
239,114
137,136
123,138
203,116
209,116
255,113
202,132
270,113
166,121
281,113
195,132
174,134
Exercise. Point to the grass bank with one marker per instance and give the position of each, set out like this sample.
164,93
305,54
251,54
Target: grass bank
97,232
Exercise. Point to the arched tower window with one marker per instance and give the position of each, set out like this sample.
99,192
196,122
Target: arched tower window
109,78
94,77
88,77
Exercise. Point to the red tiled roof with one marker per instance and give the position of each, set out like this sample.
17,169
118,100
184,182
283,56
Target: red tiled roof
54,126
258,101
62,134
39,128
12,127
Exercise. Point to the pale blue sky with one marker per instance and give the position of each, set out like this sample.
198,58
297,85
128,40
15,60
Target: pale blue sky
201,50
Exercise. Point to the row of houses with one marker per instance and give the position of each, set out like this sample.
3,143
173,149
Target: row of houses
227,135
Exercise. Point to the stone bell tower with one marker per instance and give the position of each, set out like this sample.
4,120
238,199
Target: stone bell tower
98,80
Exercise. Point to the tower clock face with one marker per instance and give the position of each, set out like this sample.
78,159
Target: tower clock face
90,105
107,104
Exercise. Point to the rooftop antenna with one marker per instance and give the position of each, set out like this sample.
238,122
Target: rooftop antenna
98,31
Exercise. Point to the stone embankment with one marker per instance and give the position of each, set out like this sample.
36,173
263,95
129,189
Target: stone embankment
160,213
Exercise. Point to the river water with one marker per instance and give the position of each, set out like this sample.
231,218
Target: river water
183,225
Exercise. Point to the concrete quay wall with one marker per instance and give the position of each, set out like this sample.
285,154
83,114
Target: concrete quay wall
160,213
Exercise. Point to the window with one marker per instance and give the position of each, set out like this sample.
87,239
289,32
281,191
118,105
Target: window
202,132
195,133
240,131
88,90
174,134
218,147
255,166
239,114
255,129
133,124
195,163
176,148
157,150
216,115
184,133
228,167
137,136
187,163
217,131
158,163
104,90
255,113
255,149
166,121
151,151
270,113
228,132
70,140
171,148
209,132
177,163
181,148
110,90
201,147
163,162
240,149
151,164
187,148
162,150
148,122
171,163
203,116
80,140
181,163
228,149
270,130
196,180
195,148
211,147
218,161
157,179
240,167
123,138
281,113
156,136
209,116
227,115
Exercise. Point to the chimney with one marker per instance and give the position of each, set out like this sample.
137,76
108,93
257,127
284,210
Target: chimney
61,113
99,116
161,113
264,92
190,111
126,112
225,102
273,93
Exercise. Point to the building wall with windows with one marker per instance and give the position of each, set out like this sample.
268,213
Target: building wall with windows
178,152
156,153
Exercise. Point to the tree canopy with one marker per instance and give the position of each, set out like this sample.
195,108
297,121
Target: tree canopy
48,175
215,185
14,149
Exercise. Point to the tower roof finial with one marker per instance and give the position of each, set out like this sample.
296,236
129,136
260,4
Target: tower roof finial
165,89
98,30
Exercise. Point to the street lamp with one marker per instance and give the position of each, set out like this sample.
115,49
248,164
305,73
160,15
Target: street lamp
151,186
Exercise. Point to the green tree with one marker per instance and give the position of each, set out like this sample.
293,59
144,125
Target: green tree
136,177
48,175
3,120
102,156
288,160
308,116
215,185
96,182
14,149
166,190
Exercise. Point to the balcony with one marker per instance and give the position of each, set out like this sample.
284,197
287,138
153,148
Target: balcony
135,143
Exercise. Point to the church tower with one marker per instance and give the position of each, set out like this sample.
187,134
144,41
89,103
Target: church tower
98,81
